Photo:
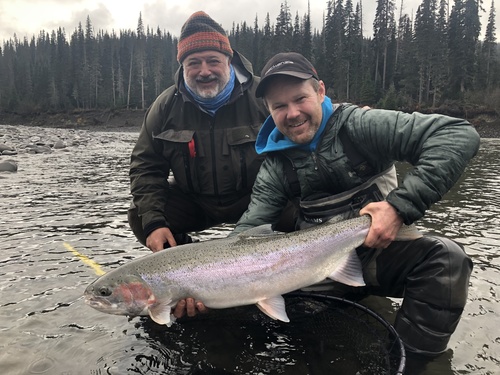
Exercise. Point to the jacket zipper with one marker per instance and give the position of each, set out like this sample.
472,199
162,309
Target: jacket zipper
214,164
243,166
187,169
315,160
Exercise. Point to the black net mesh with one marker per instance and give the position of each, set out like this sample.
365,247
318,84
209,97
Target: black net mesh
326,335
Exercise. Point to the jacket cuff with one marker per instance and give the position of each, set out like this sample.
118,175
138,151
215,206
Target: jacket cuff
151,227
404,208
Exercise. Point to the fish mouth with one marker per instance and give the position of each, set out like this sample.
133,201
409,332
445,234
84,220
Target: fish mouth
92,302
99,303
112,307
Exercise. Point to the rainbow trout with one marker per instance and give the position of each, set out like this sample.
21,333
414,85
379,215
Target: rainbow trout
254,267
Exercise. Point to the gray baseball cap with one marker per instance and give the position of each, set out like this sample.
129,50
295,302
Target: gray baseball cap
286,63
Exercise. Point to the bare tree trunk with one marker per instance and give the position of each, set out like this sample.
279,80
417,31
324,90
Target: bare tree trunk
385,66
348,78
420,85
130,77
113,84
96,86
143,101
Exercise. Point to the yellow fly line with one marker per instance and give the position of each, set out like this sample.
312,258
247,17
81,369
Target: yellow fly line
89,262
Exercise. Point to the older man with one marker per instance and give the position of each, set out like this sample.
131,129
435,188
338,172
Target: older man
194,163
202,131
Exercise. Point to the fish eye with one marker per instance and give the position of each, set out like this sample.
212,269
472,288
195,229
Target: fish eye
104,291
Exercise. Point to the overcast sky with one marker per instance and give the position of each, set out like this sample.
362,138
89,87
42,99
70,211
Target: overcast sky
26,18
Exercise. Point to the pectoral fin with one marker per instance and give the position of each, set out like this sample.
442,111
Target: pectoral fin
274,307
160,312
350,272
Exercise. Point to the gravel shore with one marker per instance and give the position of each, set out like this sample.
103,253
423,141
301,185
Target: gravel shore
131,121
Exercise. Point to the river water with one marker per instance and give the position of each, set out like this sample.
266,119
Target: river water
76,198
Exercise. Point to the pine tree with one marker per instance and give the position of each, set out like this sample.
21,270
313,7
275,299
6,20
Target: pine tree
267,47
283,30
489,45
140,54
406,78
425,38
354,52
256,56
306,48
335,48
91,67
441,70
383,34
464,29
297,34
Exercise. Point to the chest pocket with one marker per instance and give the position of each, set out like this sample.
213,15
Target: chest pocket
180,149
239,147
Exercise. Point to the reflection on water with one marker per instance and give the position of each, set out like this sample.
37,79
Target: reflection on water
80,194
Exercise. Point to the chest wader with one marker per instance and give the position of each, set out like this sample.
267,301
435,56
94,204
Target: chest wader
431,274
320,208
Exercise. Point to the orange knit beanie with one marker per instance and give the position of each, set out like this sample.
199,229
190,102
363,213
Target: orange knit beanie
201,33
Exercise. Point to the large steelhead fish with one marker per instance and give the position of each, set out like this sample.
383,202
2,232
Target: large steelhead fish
255,267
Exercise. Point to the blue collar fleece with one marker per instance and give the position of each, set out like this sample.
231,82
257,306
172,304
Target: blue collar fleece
270,139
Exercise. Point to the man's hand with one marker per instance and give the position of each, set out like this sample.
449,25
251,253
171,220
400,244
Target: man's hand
156,240
190,307
385,224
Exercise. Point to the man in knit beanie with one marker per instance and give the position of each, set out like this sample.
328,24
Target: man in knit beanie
194,163
201,33
205,54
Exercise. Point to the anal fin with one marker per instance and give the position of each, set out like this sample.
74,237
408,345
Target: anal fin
274,307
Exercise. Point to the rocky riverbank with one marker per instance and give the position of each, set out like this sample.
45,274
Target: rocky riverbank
99,120
488,126
487,129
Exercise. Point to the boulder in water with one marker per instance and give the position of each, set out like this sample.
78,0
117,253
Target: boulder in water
8,166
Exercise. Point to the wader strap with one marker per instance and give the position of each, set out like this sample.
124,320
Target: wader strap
323,207
356,160
291,176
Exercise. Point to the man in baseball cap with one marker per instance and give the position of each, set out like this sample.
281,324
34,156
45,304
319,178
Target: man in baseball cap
338,160
285,63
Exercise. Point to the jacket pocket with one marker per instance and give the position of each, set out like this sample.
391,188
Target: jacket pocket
179,149
246,162
177,136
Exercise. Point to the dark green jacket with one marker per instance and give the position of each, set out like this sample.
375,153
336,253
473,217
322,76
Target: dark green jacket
439,148
212,157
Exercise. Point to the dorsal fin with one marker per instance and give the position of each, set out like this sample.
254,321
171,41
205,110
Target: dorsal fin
260,231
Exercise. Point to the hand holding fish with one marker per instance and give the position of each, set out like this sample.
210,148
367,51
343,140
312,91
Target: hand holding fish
385,224
190,307
156,240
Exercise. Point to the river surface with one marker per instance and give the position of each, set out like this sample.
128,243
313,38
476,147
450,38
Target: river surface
77,198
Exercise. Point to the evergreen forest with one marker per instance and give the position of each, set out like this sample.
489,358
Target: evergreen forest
428,60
